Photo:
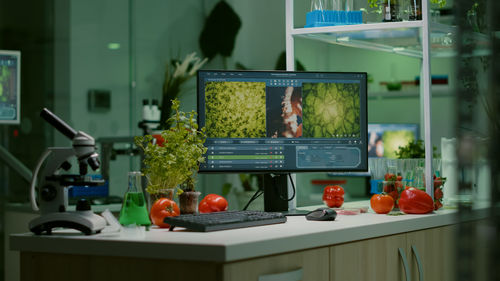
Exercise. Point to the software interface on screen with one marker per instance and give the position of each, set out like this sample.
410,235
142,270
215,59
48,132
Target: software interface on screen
9,87
384,140
259,121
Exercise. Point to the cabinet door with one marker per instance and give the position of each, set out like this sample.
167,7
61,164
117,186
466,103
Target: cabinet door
431,253
372,259
304,265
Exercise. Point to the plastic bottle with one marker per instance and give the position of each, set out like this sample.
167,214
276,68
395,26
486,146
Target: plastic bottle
146,110
155,111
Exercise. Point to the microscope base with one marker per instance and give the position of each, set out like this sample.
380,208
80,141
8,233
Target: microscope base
84,221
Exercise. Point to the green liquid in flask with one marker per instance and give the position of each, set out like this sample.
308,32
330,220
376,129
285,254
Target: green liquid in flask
134,210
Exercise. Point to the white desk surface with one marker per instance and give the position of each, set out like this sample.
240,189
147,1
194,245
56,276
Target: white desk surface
236,244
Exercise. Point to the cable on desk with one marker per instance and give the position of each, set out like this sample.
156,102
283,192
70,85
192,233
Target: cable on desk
293,188
259,192
256,195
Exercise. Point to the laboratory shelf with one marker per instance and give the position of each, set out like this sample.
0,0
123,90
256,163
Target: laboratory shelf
437,91
401,38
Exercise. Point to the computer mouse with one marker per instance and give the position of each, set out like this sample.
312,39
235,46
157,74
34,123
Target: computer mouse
322,214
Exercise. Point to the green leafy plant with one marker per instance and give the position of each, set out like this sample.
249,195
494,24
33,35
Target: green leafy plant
175,159
414,150
177,72
219,32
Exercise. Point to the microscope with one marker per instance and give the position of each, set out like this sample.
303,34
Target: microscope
53,186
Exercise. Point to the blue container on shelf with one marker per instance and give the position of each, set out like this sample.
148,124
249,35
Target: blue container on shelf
319,18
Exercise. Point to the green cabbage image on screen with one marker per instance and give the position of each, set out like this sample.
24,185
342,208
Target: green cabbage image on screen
330,110
5,75
394,139
235,109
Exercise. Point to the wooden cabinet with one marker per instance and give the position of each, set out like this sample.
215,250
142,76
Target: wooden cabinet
304,265
372,259
431,253
423,255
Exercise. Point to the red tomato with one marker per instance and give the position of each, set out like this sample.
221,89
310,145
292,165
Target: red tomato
438,193
438,182
395,196
159,139
333,196
382,203
163,208
212,203
437,205
390,177
415,201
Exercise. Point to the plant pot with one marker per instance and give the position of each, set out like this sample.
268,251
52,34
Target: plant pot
188,201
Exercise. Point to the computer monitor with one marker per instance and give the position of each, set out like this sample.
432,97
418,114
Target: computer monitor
10,87
277,122
384,139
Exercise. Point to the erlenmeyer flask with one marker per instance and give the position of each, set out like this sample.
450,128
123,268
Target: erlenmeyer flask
134,208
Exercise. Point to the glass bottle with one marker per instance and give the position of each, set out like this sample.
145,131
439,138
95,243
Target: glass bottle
415,10
391,11
134,208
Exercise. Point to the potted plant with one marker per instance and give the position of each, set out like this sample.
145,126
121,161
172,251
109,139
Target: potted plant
172,158
177,72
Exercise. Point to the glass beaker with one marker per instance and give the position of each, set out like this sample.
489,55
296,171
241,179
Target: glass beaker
134,208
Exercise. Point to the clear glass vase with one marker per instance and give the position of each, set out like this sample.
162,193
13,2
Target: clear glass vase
160,193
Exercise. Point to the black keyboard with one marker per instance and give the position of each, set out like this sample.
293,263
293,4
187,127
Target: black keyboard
225,220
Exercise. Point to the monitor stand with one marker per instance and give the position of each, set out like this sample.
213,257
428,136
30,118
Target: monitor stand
276,195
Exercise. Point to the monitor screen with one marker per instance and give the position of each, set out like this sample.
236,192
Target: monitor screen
10,87
282,122
385,139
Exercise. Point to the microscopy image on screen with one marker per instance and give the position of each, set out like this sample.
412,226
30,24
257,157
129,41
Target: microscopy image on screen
9,92
235,109
7,84
284,112
331,110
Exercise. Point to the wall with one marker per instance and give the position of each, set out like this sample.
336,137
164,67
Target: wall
152,32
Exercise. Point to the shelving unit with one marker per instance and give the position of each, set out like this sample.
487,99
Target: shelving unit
410,93
409,38
393,37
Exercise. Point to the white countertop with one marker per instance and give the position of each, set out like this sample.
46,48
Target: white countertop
236,244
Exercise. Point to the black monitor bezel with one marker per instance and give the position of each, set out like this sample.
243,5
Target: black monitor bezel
272,171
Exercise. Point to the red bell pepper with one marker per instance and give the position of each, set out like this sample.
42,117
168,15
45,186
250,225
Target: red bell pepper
415,201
